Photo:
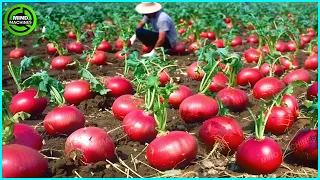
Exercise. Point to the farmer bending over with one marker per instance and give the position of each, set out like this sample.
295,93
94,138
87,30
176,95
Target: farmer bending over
164,33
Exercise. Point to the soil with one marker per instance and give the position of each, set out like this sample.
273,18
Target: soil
98,113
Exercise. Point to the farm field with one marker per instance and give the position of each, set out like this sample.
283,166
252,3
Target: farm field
226,40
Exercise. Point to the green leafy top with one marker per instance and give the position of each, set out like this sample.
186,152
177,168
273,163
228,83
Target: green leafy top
54,33
312,111
8,120
47,86
27,63
95,85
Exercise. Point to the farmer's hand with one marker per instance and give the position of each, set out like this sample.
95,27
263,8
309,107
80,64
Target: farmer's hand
149,54
133,38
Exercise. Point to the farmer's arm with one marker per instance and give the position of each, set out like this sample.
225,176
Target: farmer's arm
141,24
163,28
161,39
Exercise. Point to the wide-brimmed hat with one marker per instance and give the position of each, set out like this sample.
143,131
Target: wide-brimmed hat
148,7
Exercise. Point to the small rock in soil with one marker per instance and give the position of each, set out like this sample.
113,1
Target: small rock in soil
181,127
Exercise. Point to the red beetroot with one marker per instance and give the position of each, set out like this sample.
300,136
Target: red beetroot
253,39
234,99
227,20
179,48
251,27
194,72
193,47
72,35
236,42
311,62
229,25
198,108
63,120
177,96
218,43
311,34
289,64
224,130
265,49
252,55
99,58
191,21
302,44
279,120
191,38
77,91
203,35
259,156
90,145
174,150
51,50
306,39
248,76
267,87
105,46
182,31
298,74
119,43
75,47
304,145
315,49
281,46
211,35
125,104
20,161
140,126
109,22
146,49
61,62
121,57
277,69
27,136
291,46
219,82
16,53
90,33
25,101
312,91
119,86
164,78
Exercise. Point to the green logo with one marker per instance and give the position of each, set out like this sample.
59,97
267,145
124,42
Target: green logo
20,19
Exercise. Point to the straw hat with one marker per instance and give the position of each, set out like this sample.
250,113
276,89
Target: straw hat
148,7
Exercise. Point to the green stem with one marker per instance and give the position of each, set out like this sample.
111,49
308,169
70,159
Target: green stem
160,116
262,128
60,50
273,63
150,98
207,80
14,77
59,98
78,35
16,42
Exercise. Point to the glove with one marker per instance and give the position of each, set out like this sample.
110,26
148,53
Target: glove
133,38
43,29
149,54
